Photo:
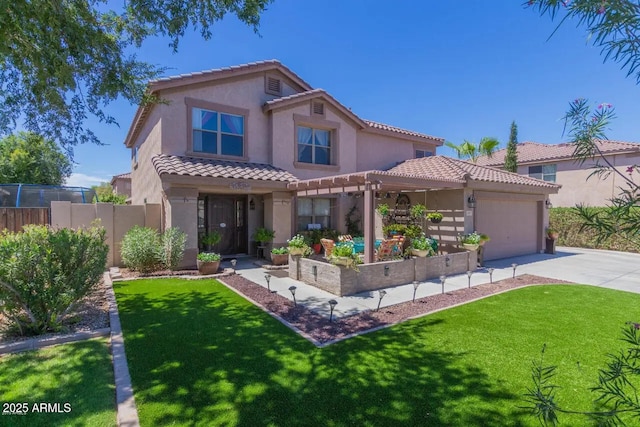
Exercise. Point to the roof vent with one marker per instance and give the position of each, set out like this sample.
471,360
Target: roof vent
318,108
274,85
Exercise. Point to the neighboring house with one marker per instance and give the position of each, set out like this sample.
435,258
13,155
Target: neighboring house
121,184
554,163
254,145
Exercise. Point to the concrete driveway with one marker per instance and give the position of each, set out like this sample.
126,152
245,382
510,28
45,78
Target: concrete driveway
609,269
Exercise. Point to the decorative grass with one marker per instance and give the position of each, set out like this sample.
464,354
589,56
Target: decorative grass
201,355
80,374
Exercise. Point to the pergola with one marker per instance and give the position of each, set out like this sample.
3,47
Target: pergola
370,182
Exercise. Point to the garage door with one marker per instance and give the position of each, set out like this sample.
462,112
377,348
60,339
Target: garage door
511,224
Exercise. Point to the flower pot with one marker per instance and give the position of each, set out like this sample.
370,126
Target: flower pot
553,236
208,267
435,220
296,251
342,260
279,259
419,253
317,247
470,247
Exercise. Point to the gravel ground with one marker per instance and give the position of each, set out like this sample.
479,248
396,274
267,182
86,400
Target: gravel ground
319,327
92,314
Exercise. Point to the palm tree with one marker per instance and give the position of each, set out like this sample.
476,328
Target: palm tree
471,151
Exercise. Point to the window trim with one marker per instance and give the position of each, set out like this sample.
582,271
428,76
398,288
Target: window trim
321,124
192,103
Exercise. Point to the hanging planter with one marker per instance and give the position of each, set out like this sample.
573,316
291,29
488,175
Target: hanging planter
434,217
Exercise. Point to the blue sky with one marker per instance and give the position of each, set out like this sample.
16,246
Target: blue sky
457,70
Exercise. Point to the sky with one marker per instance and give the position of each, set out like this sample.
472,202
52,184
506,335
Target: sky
459,70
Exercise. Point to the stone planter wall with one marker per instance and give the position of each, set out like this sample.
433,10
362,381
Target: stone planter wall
346,281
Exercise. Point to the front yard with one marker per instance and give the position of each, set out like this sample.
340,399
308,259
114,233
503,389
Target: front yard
200,354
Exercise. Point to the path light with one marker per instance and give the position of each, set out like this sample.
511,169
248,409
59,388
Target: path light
386,270
233,263
381,293
293,292
415,288
267,277
514,269
314,270
332,304
491,275
442,280
469,273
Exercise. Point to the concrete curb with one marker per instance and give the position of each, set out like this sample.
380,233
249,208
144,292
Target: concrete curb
127,411
38,343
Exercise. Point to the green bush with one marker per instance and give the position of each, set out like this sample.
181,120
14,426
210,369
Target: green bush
142,250
567,222
173,242
44,272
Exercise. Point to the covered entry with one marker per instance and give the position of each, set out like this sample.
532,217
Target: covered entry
226,215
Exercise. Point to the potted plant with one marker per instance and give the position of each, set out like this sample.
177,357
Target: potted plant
552,233
263,235
434,217
280,256
484,239
297,245
383,209
418,211
210,239
394,229
208,262
421,246
343,255
470,242
314,237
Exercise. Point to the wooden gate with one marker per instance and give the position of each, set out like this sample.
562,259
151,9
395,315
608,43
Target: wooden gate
14,218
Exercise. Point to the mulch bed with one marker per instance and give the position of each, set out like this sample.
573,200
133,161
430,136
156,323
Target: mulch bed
320,329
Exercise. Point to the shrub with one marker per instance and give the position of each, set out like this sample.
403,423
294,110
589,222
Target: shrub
141,249
173,242
44,272
209,257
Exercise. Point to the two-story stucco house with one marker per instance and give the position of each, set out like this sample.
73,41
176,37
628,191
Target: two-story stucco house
254,145
554,163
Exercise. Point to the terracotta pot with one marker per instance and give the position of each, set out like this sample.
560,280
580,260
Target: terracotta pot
553,236
279,259
317,247
296,251
419,253
208,267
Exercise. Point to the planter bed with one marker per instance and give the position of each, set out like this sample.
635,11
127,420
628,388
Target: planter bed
346,281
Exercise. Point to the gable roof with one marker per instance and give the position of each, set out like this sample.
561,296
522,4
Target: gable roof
214,168
126,175
530,152
449,168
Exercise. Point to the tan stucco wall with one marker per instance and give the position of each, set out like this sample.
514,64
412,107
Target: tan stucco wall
145,182
181,211
575,187
381,152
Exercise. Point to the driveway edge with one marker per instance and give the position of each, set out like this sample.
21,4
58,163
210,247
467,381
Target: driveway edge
127,410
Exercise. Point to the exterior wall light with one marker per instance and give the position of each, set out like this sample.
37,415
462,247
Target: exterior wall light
471,201
548,204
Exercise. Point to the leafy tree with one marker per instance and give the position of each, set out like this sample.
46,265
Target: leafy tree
61,61
471,151
105,194
29,158
511,157
614,26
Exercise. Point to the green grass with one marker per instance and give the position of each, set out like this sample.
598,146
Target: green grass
79,373
201,355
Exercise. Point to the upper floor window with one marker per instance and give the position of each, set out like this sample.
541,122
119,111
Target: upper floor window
217,133
544,172
134,154
423,153
314,145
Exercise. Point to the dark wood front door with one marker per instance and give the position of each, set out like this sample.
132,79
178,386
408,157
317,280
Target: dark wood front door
227,216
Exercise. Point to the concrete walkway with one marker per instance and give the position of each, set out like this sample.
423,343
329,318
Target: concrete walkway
615,270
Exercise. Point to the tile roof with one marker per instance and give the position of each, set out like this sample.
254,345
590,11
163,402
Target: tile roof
529,152
382,126
123,175
214,168
449,168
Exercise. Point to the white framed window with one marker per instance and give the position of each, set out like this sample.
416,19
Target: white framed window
217,132
543,172
423,153
314,145
313,211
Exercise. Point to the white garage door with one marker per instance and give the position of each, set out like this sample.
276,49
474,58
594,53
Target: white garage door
511,224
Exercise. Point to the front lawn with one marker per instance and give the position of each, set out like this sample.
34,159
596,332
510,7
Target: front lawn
71,384
199,354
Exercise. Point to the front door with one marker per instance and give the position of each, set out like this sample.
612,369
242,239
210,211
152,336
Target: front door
227,215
